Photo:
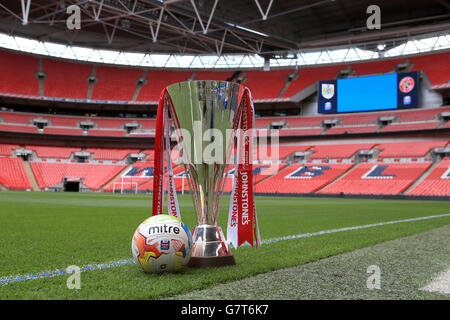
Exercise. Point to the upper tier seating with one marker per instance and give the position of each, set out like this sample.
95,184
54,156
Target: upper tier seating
115,83
435,65
266,85
66,79
17,73
158,80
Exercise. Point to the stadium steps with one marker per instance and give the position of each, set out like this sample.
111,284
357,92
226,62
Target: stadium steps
421,178
440,125
31,176
339,177
110,182
286,85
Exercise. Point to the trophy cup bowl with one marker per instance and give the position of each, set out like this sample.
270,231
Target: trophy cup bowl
204,114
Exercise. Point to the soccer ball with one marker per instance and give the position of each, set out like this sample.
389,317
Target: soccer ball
162,243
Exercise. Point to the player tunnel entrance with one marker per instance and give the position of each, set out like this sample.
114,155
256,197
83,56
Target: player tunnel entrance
72,184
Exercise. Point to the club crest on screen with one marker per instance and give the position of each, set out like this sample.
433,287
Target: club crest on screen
407,84
327,90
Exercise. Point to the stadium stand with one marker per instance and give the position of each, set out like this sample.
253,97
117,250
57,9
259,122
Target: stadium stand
373,179
69,80
260,173
437,183
95,175
265,153
295,125
18,128
52,151
436,66
158,80
341,152
115,83
327,167
66,79
6,149
110,154
410,126
63,131
309,75
13,175
352,129
408,149
17,117
299,178
106,133
266,85
300,132
17,72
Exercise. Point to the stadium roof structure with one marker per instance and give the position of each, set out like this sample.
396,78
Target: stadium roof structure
224,33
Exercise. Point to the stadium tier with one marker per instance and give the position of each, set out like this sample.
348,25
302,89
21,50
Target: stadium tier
65,79
6,149
110,154
407,120
13,175
350,153
95,175
52,152
400,168
341,152
408,149
437,183
375,179
302,178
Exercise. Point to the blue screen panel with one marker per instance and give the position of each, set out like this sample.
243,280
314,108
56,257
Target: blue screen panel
367,93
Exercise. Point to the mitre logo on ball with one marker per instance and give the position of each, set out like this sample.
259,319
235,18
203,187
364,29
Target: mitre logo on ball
162,243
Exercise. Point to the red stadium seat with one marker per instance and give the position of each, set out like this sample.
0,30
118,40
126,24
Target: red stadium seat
300,178
95,175
437,183
13,175
375,178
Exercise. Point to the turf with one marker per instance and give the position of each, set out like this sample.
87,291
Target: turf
405,265
48,231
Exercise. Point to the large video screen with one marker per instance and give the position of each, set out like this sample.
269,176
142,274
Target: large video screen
371,93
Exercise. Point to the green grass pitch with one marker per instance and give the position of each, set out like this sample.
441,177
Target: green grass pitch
50,231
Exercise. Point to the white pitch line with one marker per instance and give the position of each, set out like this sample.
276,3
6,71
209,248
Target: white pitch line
90,267
439,284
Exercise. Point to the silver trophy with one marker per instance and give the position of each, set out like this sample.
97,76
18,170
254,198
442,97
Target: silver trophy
204,113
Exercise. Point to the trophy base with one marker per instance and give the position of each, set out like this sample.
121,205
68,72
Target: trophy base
209,248
211,262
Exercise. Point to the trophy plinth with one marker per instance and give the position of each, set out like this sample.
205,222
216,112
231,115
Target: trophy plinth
210,248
